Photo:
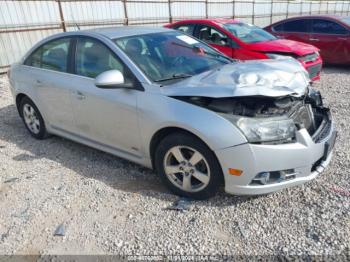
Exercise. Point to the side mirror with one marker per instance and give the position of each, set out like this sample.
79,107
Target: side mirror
111,79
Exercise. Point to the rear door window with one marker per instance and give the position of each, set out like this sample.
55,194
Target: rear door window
299,26
322,26
52,55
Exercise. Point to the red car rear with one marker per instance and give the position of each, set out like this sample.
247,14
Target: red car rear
246,42
331,34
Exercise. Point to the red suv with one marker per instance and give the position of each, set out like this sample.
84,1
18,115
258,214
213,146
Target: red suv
330,33
245,42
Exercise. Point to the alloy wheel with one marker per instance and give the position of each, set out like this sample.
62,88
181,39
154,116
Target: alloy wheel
31,119
186,168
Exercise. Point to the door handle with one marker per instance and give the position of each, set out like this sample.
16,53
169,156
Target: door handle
314,39
79,95
38,82
342,38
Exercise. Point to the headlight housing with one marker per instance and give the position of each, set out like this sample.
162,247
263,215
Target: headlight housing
274,79
264,129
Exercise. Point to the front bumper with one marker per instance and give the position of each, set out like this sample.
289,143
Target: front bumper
306,157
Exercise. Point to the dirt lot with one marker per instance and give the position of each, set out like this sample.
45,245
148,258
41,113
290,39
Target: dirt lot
109,205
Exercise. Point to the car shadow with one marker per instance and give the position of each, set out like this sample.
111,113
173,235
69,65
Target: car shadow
91,163
329,69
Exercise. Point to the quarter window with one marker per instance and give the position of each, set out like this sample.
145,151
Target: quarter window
212,36
327,27
187,29
93,58
278,28
53,56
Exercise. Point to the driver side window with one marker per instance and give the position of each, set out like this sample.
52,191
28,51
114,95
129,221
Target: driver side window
211,35
93,58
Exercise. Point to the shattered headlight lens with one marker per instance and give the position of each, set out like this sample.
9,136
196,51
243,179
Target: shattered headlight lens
264,129
274,79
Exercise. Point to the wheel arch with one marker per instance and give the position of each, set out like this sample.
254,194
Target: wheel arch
19,98
166,131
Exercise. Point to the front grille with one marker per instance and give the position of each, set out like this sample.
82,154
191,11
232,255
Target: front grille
309,57
314,70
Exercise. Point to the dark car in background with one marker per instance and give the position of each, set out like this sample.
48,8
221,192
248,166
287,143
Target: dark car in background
248,42
330,33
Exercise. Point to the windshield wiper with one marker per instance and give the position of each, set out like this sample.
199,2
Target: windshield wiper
174,76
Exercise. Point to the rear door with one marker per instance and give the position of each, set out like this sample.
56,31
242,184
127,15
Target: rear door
215,38
332,39
47,73
298,30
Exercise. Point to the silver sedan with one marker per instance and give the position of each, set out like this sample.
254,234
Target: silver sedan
170,102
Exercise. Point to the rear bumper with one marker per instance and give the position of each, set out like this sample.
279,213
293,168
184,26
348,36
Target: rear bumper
305,157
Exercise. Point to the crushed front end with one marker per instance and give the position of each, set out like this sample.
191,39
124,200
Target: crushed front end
290,140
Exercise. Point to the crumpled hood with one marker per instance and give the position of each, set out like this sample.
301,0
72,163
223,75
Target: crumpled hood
223,82
283,46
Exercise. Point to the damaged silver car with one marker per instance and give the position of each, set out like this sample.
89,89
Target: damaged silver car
170,102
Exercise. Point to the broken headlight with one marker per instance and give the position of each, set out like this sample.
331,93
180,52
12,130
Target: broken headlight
264,129
272,79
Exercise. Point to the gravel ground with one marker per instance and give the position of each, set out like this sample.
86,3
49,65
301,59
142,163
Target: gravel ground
110,206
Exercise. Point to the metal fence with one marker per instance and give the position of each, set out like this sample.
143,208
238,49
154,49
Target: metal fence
24,22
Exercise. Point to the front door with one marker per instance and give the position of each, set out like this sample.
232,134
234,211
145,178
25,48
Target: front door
215,38
106,116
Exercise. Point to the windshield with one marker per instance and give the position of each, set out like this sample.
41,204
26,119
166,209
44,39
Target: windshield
171,55
248,33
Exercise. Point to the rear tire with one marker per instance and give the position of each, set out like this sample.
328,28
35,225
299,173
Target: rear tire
188,167
32,119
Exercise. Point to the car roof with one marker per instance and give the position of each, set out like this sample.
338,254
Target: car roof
208,20
333,16
338,18
123,31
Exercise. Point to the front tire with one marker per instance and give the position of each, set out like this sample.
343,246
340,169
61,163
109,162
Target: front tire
32,119
187,166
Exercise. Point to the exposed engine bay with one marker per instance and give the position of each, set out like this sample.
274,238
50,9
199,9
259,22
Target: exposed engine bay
306,111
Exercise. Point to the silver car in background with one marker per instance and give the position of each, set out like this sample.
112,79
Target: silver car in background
167,101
